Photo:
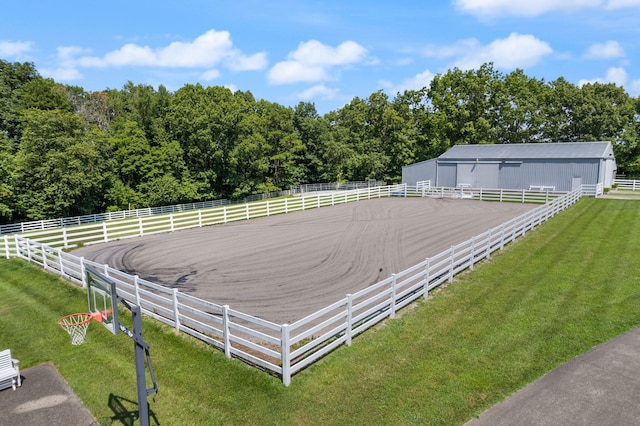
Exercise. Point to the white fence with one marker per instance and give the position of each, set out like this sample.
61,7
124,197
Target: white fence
15,228
92,233
631,184
283,349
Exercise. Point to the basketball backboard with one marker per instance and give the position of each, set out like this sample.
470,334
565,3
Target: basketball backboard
102,298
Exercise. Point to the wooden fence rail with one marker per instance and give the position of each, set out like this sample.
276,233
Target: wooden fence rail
283,349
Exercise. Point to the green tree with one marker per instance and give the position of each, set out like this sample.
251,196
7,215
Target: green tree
45,94
520,104
356,150
313,131
465,106
6,179
285,147
60,166
207,123
13,78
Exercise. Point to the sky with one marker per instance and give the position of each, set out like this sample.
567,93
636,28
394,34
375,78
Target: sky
326,52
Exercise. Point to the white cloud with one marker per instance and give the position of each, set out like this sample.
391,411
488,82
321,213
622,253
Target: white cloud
312,61
635,88
608,50
210,75
14,48
209,49
515,51
254,62
294,72
615,75
416,82
619,4
61,74
493,8
315,53
318,91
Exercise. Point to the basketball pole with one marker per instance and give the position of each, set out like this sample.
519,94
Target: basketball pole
141,348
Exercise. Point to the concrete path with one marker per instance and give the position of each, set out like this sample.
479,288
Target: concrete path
600,387
44,399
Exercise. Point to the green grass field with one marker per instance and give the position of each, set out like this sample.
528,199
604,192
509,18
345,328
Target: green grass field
567,286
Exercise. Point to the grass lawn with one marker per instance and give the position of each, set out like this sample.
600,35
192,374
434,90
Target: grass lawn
567,286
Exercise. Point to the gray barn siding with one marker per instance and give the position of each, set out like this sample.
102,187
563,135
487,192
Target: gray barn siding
558,173
559,165
425,170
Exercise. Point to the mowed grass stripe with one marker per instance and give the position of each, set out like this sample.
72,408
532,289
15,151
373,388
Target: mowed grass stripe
569,285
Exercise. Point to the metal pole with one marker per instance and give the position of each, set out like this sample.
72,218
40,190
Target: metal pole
141,348
141,379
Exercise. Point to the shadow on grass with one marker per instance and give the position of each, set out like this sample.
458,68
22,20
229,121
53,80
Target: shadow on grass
126,412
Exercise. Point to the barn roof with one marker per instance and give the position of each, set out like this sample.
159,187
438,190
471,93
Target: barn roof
562,150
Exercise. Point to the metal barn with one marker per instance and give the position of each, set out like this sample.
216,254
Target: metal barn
554,166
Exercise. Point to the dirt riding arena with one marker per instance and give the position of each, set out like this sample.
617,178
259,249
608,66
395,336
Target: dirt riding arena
283,268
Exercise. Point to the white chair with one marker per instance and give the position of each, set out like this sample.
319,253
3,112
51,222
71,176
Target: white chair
9,370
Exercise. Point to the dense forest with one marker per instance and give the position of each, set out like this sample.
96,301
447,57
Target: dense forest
66,152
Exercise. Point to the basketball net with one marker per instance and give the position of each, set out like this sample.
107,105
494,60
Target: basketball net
76,325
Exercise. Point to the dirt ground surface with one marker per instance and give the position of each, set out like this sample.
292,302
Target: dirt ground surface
283,268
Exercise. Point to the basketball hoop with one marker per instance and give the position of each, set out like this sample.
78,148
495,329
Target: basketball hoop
76,325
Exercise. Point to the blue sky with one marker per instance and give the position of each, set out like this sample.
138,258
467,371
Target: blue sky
325,52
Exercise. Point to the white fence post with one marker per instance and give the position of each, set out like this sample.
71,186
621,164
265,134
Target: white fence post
140,228
83,277
44,257
136,289
176,312
286,355
200,218
65,244
488,255
348,331
104,232
426,278
171,221
6,246
473,252
451,254
225,331
392,308
60,262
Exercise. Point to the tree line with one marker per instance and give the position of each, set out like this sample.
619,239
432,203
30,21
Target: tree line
66,152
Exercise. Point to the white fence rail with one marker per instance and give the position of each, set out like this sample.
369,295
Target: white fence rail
631,184
284,349
72,236
15,228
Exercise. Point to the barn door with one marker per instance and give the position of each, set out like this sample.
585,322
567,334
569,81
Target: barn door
575,183
487,176
465,175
